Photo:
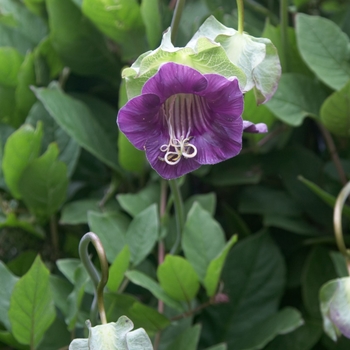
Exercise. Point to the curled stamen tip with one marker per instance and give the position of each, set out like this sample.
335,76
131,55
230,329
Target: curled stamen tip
190,155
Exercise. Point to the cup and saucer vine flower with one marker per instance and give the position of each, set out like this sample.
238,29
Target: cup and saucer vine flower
185,104
184,119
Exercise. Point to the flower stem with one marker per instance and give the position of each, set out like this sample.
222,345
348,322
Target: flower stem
180,4
179,213
284,34
338,208
94,275
240,8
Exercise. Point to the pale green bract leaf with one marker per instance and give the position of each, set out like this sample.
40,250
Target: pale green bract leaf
335,307
114,336
256,57
201,54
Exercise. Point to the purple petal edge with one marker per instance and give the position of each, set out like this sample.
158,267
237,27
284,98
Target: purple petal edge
250,127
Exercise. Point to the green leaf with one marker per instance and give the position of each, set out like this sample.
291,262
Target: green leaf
335,112
203,239
142,315
206,201
151,16
215,267
21,148
134,204
10,63
122,22
178,278
36,6
111,229
25,98
325,196
5,132
31,308
8,281
130,158
7,105
218,347
340,265
324,48
69,149
79,44
303,338
334,303
317,270
254,279
43,183
9,339
118,268
77,121
187,340
148,283
61,289
142,234
296,98
282,322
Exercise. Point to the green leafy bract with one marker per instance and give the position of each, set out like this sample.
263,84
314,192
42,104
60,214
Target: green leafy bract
201,53
256,57
114,336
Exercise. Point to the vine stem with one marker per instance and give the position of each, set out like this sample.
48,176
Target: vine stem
179,213
337,221
240,8
180,4
99,283
334,154
284,34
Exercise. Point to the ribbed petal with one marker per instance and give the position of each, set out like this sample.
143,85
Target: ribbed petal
259,128
174,79
139,118
165,170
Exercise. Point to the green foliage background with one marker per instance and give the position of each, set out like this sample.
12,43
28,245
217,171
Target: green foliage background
67,170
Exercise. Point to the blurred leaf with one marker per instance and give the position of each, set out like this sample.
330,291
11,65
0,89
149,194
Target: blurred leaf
8,281
10,64
31,308
213,273
254,279
151,16
218,347
178,278
142,234
296,98
22,263
134,204
317,270
339,263
335,112
36,6
43,183
141,315
324,48
130,158
9,339
122,22
282,322
21,148
81,47
69,149
118,268
8,105
76,119
334,303
202,240
206,201
5,132
326,197
303,338
148,283
61,289
111,228
264,200
187,340
25,98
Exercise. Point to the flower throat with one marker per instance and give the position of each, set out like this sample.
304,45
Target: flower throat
181,112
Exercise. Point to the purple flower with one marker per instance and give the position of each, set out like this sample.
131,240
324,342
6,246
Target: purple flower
184,119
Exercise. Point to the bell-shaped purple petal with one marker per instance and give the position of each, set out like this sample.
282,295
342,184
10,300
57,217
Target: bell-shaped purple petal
184,119
250,127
